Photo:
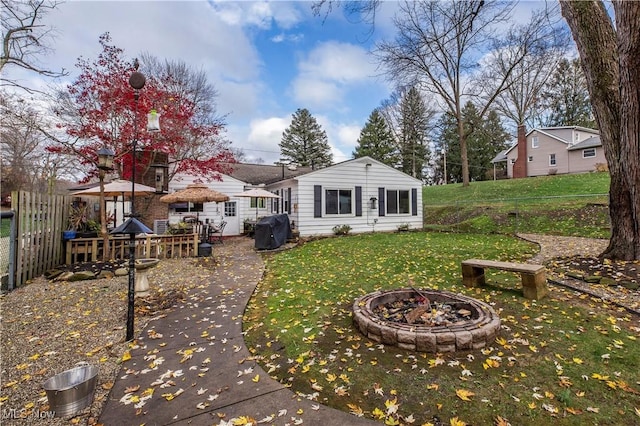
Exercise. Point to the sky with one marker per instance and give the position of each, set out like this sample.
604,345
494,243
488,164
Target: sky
266,59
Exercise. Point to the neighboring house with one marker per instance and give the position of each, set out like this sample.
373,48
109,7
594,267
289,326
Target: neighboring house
553,150
363,193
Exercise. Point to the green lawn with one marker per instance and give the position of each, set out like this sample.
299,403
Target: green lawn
572,205
542,186
565,360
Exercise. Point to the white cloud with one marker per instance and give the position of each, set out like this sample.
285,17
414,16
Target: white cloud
315,93
261,138
328,71
348,135
342,137
260,14
340,62
282,37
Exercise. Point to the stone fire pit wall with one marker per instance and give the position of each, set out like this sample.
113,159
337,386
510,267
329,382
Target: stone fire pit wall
472,334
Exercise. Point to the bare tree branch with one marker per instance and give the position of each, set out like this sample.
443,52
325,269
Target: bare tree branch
24,38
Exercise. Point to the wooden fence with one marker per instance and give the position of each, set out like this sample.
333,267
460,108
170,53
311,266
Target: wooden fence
39,223
40,220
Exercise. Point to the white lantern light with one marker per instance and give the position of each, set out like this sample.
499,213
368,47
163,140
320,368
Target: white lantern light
153,121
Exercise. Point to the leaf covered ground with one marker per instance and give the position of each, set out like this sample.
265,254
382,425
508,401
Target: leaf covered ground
568,359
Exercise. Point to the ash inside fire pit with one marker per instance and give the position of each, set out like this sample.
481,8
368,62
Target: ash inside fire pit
426,320
419,310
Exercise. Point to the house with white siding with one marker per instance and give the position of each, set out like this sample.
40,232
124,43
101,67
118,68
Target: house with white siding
554,150
363,193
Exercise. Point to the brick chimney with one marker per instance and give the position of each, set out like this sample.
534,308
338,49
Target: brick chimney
520,166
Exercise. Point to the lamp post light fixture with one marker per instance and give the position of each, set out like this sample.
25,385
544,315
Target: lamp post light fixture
105,163
133,226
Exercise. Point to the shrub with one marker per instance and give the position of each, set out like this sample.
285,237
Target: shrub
403,227
341,229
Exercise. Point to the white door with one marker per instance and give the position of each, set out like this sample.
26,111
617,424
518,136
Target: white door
231,217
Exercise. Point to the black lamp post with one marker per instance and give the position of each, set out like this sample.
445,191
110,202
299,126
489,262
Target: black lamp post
133,226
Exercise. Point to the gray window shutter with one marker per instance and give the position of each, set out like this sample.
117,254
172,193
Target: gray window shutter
414,202
317,200
358,201
381,205
289,200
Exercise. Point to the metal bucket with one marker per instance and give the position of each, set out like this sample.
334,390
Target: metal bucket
72,390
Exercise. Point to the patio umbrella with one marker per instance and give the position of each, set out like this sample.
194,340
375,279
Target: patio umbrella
256,193
195,193
116,188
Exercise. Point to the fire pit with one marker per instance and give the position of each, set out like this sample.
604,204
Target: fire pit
426,320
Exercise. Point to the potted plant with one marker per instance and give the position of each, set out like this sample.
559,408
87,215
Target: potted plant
77,220
180,228
91,229
80,226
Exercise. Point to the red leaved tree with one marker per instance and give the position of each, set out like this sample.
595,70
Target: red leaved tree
99,110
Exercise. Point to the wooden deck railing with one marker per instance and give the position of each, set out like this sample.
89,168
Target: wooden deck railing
150,246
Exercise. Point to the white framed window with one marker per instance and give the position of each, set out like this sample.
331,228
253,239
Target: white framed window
258,203
398,201
530,159
552,159
275,203
535,143
229,208
338,201
588,153
187,207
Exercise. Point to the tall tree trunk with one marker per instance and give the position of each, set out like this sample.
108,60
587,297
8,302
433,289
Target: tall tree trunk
611,60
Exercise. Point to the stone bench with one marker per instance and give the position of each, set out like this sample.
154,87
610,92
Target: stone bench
534,281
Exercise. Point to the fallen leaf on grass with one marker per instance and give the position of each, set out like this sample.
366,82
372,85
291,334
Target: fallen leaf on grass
355,410
464,394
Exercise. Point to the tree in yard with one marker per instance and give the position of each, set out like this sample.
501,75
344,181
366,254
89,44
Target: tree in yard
529,78
439,44
24,38
566,99
98,110
376,141
304,142
610,57
486,138
24,161
414,126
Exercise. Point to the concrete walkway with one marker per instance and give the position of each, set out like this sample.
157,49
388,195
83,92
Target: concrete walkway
192,366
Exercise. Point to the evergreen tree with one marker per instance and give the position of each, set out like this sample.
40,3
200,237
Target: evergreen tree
565,98
414,125
304,142
376,141
485,139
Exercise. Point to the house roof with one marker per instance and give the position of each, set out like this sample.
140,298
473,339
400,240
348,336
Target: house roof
256,174
366,160
591,142
502,156
547,129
